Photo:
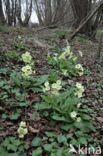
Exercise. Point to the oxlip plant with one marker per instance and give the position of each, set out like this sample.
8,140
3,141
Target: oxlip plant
60,103
79,90
27,58
66,62
66,107
27,70
53,88
19,43
22,130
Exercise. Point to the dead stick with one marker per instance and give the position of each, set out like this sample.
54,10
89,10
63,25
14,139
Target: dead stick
100,46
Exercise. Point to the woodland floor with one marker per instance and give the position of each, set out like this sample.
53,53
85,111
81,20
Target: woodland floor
50,40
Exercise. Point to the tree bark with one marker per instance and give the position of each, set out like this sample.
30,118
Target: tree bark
80,11
2,19
86,19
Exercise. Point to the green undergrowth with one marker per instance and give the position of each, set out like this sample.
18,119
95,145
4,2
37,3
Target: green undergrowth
55,98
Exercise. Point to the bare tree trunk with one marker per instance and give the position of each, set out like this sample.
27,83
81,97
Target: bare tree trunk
38,12
8,12
2,20
27,12
80,10
48,13
87,18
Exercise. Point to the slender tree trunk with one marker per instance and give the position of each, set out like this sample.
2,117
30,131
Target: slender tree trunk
2,20
48,12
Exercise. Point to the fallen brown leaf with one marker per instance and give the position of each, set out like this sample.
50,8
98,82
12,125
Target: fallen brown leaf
100,119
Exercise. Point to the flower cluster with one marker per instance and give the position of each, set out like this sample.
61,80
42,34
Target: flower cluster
79,94
80,69
73,115
27,69
46,87
54,88
79,105
66,53
79,90
67,63
27,58
22,130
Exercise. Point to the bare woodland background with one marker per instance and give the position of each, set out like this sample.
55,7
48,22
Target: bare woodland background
71,13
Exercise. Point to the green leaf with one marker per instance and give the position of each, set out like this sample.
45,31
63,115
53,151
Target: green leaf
4,116
36,142
51,134
42,106
62,139
15,115
58,118
23,104
37,152
48,147
86,117
82,141
67,127
59,152
42,79
53,77
53,154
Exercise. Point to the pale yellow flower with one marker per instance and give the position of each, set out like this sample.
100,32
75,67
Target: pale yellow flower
46,87
74,58
80,73
22,124
19,37
73,114
79,94
68,50
79,86
80,90
62,56
57,85
79,105
26,71
79,67
22,130
78,119
55,92
34,71
67,53
27,58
